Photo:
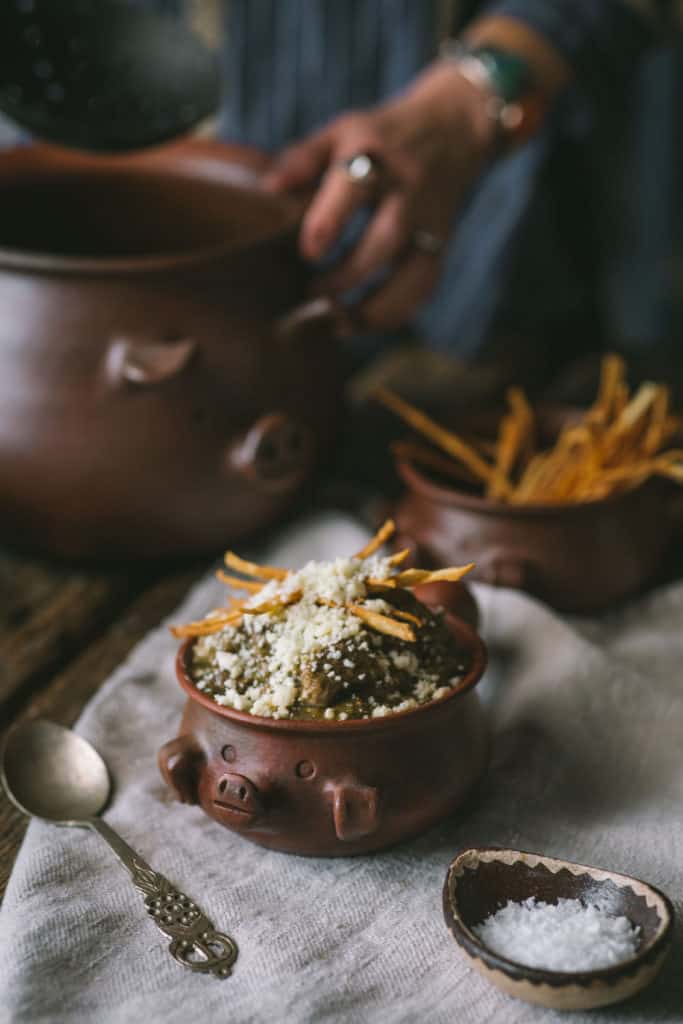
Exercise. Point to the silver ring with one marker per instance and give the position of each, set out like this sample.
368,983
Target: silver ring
362,168
427,242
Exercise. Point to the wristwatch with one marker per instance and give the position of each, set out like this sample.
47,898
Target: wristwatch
515,104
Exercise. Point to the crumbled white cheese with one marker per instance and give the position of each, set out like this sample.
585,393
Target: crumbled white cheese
296,632
289,637
341,581
405,660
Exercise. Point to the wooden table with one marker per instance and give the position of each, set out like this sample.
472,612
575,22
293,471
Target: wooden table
62,631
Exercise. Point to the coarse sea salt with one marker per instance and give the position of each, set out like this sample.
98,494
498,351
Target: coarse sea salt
568,936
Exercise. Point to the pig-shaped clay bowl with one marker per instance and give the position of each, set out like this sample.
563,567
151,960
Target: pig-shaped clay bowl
330,788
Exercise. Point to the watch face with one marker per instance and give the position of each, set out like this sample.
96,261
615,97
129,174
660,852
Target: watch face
509,73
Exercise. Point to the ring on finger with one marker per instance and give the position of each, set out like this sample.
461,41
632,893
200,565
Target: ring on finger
362,169
428,242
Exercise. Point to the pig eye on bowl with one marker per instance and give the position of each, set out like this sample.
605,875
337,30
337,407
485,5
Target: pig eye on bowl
305,769
228,753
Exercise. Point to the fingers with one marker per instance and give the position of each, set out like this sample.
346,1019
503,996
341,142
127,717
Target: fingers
300,165
403,185
338,196
384,240
336,200
395,303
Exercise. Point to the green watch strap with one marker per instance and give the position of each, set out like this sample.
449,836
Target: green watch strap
510,74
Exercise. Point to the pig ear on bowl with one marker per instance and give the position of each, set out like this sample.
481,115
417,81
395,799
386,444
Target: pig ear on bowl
354,809
143,361
179,762
310,319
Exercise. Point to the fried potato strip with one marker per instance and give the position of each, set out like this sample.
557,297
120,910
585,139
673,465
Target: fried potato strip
618,444
375,543
239,584
275,605
263,572
442,438
211,624
416,577
383,623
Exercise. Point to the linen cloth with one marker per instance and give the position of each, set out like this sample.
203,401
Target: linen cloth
587,765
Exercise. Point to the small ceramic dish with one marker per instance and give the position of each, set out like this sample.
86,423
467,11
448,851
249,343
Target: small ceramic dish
480,881
579,557
331,788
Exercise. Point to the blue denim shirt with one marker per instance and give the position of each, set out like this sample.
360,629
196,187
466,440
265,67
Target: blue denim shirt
579,226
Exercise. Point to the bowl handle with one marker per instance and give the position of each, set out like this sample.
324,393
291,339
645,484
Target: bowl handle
144,361
275,454
354,809
505,568
311,317
179,761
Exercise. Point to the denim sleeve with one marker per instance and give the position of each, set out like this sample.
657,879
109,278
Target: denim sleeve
600,39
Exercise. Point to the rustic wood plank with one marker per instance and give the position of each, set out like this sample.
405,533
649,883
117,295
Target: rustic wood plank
24,585
47,614
64,697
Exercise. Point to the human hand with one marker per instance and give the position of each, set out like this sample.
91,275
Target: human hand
430,143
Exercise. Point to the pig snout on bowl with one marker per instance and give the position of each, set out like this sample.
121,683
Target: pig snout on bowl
237,799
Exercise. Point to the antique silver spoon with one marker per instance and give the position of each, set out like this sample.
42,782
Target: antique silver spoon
50,772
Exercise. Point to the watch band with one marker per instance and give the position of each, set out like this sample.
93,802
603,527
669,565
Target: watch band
515,104
509,73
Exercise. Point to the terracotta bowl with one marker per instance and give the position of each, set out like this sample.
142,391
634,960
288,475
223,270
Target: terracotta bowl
577,558
330,788
480,881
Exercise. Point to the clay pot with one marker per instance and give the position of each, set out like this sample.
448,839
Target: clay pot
165,386
577,558
324,787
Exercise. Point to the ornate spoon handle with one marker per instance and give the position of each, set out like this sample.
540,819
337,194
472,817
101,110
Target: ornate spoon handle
194,941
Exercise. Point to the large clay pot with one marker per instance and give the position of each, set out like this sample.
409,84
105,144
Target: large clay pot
165,385
330,788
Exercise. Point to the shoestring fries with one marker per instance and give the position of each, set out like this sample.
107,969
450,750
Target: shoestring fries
442,438
619,443
397,623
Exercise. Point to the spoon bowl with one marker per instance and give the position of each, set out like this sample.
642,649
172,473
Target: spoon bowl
49,771
482,880
52,773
